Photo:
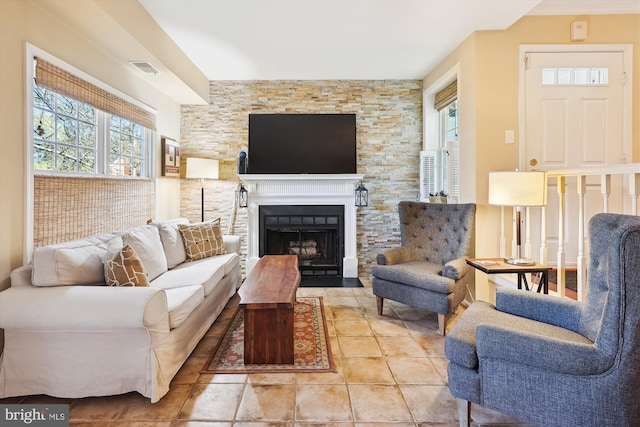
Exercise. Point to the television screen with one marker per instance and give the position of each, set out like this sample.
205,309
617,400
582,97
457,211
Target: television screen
302,143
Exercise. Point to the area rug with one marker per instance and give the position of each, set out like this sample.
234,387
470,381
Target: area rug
312,349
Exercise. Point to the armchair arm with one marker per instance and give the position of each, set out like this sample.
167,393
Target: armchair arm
561,312
455,269
84,308
394,256
554,349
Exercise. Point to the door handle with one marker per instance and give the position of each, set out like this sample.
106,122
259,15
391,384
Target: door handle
533,162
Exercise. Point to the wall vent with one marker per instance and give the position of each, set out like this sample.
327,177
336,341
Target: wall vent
145,67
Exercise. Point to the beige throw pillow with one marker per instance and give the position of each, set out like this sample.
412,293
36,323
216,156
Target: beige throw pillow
202,240
122,267
145,240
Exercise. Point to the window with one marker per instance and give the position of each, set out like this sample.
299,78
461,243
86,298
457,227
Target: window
79,128
64,133
440,165
126,148
449,153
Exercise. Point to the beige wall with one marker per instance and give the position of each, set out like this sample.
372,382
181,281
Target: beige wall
488,102
24,22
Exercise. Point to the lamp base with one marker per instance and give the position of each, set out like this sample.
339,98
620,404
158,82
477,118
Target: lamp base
520,261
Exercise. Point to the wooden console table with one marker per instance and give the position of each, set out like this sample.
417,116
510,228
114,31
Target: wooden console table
497,265
267,297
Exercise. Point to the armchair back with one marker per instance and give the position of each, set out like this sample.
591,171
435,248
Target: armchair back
438,232
613,283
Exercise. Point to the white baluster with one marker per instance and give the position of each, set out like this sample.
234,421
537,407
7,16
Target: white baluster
543,235
560,256
527,233
582,266
634,188
605,189
502,237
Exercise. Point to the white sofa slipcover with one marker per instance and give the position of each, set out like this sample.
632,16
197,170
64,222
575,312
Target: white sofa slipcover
69,335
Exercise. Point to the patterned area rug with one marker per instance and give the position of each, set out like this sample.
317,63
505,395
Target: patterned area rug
312,350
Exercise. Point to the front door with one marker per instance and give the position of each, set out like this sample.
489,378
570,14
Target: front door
573,117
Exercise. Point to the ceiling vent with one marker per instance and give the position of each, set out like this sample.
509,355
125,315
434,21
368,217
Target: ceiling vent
145,67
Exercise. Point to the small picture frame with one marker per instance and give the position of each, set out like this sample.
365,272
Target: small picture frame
170,157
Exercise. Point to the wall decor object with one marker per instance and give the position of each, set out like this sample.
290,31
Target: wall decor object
170,157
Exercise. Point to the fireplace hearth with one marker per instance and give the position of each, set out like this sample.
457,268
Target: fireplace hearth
314,233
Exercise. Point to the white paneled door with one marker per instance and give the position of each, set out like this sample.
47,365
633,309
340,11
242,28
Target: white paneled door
573,117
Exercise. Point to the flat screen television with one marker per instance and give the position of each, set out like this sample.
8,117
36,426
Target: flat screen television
302,144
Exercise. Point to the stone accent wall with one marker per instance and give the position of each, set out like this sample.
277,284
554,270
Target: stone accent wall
389,140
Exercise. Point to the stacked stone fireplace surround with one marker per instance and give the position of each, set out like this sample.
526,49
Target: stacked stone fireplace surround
389,138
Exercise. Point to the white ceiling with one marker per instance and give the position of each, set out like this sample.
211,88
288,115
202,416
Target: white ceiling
340,39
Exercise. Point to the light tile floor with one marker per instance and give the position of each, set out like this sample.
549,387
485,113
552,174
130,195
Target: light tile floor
391,372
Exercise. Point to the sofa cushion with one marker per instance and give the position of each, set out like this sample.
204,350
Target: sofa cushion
202,240
78,262
181,302
229,261
172,240
146,242
206,273
122,267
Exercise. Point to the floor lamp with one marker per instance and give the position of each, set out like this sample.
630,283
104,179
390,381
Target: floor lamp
202,169
518,189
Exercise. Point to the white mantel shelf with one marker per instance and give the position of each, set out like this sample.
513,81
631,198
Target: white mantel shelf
301,185
303,189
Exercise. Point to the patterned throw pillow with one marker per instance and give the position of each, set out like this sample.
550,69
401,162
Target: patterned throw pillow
202,240
122,267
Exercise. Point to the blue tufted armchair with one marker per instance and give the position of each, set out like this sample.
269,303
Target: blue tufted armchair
429,270
557,362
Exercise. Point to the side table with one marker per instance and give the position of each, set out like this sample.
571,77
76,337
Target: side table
497,265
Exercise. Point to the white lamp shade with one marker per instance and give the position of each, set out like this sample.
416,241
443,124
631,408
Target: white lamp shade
202,168
513,188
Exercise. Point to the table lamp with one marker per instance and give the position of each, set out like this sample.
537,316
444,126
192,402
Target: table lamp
202,169
518,189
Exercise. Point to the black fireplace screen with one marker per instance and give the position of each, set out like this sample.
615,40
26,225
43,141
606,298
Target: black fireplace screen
315,234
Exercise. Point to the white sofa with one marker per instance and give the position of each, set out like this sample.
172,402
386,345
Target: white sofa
69,335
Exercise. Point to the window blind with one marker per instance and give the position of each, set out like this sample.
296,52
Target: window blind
58,80
446,96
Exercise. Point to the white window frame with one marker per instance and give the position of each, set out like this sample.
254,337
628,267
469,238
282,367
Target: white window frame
434,149
31,53
102,167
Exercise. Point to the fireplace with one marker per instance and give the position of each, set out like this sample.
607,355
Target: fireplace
324,192
314,233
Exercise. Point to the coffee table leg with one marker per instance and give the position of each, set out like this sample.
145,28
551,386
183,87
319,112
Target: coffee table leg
268,336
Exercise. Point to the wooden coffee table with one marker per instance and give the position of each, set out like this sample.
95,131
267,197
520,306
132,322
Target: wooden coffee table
267,297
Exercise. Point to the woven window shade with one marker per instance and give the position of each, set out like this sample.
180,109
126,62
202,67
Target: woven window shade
67,208
58,80
446,96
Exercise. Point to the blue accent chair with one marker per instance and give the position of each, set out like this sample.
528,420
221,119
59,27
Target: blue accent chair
429,269
552,361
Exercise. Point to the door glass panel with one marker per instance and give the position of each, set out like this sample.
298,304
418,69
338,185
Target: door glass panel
575,76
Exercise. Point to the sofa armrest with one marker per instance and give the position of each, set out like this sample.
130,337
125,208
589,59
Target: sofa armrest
394,256
561,312
455,269
21,276
84,308
231,243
